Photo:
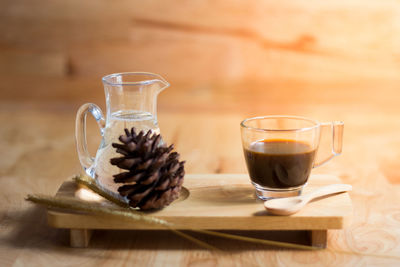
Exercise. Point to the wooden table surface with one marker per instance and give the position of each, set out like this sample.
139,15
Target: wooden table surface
327,60
38,153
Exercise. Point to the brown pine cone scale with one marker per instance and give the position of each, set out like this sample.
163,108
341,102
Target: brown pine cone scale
152,174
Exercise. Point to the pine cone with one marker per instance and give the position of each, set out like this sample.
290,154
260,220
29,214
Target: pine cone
153,176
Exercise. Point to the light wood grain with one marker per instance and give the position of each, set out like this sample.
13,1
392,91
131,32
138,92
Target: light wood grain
32,165
219,201
197,43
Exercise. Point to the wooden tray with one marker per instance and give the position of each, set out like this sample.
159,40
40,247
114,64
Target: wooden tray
217,202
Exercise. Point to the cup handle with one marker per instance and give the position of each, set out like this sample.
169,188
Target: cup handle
336,131
80,132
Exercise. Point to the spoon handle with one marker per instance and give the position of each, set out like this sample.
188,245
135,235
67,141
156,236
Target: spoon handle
327,190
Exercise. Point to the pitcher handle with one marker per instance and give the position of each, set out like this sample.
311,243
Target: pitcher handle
80,132
336,130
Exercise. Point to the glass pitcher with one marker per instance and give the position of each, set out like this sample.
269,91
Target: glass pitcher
131,101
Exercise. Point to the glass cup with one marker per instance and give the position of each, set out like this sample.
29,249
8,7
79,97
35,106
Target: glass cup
280,152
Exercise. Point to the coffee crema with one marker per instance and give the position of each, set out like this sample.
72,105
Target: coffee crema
279,163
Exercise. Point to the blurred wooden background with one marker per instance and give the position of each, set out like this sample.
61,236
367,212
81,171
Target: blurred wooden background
328,60
59,50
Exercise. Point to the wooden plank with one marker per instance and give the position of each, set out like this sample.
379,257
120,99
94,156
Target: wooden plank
318,238
254,63
59,35
80,238
244,42
268,18
225,202
31,62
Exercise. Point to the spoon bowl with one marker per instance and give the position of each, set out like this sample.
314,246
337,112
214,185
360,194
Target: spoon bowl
291,205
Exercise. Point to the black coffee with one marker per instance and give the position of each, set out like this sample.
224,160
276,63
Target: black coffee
279,163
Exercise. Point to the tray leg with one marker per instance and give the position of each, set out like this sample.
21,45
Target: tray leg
80,238
318,238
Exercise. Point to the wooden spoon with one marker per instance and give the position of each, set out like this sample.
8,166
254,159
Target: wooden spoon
290,205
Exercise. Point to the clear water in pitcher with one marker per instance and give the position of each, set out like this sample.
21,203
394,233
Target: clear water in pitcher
115,125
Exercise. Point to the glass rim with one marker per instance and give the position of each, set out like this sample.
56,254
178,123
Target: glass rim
106,79
315,122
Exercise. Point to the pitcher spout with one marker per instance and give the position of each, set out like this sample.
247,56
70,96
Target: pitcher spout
161,82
